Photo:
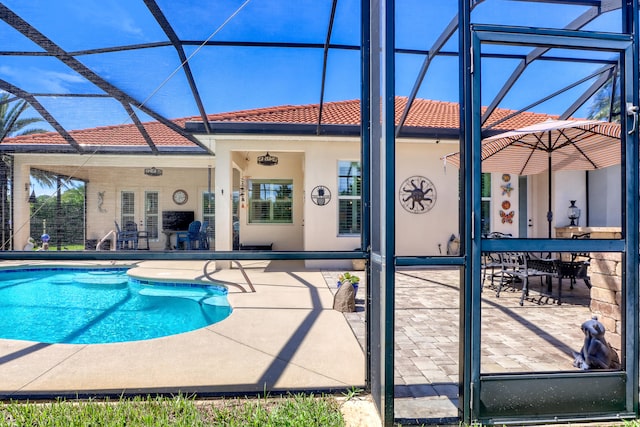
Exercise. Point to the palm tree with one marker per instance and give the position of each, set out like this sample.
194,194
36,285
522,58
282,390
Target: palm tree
603,107
10,122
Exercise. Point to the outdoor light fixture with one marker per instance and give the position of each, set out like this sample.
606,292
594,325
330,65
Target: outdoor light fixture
267,160
153,171
573,212
32,197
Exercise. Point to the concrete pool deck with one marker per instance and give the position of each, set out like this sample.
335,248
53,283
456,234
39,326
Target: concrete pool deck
287,337
284,337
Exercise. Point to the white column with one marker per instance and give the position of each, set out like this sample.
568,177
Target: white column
21,207
223,209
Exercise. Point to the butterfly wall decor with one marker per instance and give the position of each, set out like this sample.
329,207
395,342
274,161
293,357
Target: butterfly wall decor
507,217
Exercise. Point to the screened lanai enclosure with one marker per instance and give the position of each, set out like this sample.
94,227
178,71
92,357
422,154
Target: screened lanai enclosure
310,136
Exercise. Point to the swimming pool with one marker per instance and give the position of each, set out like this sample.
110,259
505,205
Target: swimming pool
81,306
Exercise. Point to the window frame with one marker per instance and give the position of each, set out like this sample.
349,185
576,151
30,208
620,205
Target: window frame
349,197
149,215
128,206
271,202
485,200
209,212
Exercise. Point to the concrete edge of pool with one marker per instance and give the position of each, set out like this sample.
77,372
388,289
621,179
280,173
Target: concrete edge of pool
284,337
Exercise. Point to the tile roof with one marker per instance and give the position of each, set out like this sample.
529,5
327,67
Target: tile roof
424,114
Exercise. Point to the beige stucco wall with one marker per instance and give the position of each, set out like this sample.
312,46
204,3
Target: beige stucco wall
321,222
505,223
417,234
313,161
308,161
242,150
284,237
114,174
113,181
420,234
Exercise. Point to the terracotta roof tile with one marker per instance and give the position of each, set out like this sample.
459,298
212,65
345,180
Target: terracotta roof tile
122,135
423,113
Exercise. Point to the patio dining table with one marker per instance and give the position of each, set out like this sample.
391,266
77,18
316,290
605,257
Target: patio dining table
559,269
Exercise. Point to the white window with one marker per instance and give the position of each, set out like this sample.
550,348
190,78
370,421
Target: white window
127,208
151,214
270,201
349,197
485,203
208,212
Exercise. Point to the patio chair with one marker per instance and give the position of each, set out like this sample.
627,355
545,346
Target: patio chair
126,238
580,262
576,268
491,261
204,236
516,267
189,239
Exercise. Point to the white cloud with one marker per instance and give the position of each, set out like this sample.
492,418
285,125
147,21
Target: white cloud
7,71
66,77
128,26
118,19
36,79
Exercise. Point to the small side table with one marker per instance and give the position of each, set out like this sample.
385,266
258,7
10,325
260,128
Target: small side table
143,235
167,241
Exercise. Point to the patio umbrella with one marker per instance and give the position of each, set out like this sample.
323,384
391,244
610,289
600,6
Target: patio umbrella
551,145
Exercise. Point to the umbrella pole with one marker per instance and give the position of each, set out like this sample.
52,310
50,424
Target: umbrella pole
549,212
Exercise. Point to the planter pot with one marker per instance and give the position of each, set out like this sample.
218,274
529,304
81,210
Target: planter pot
355,288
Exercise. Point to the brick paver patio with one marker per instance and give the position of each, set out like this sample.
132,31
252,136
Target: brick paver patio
536,337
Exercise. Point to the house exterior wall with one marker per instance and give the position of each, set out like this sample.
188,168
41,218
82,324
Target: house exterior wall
309,161
417,234
285,237
113,181
110,175
426,233
604,208
313,161
505,188
321,222
605,198
243,150
569,185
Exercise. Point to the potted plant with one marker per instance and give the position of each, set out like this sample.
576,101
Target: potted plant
351,278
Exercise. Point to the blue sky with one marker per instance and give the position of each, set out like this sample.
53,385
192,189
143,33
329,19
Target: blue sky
239,78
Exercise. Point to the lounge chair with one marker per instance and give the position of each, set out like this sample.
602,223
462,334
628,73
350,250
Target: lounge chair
189,239
127,238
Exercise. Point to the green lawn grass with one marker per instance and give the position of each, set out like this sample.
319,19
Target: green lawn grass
64,247
295,410
53,247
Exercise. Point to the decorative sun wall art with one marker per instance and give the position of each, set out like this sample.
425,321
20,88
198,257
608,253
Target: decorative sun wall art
417,194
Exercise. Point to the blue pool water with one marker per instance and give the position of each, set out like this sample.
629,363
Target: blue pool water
102,306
